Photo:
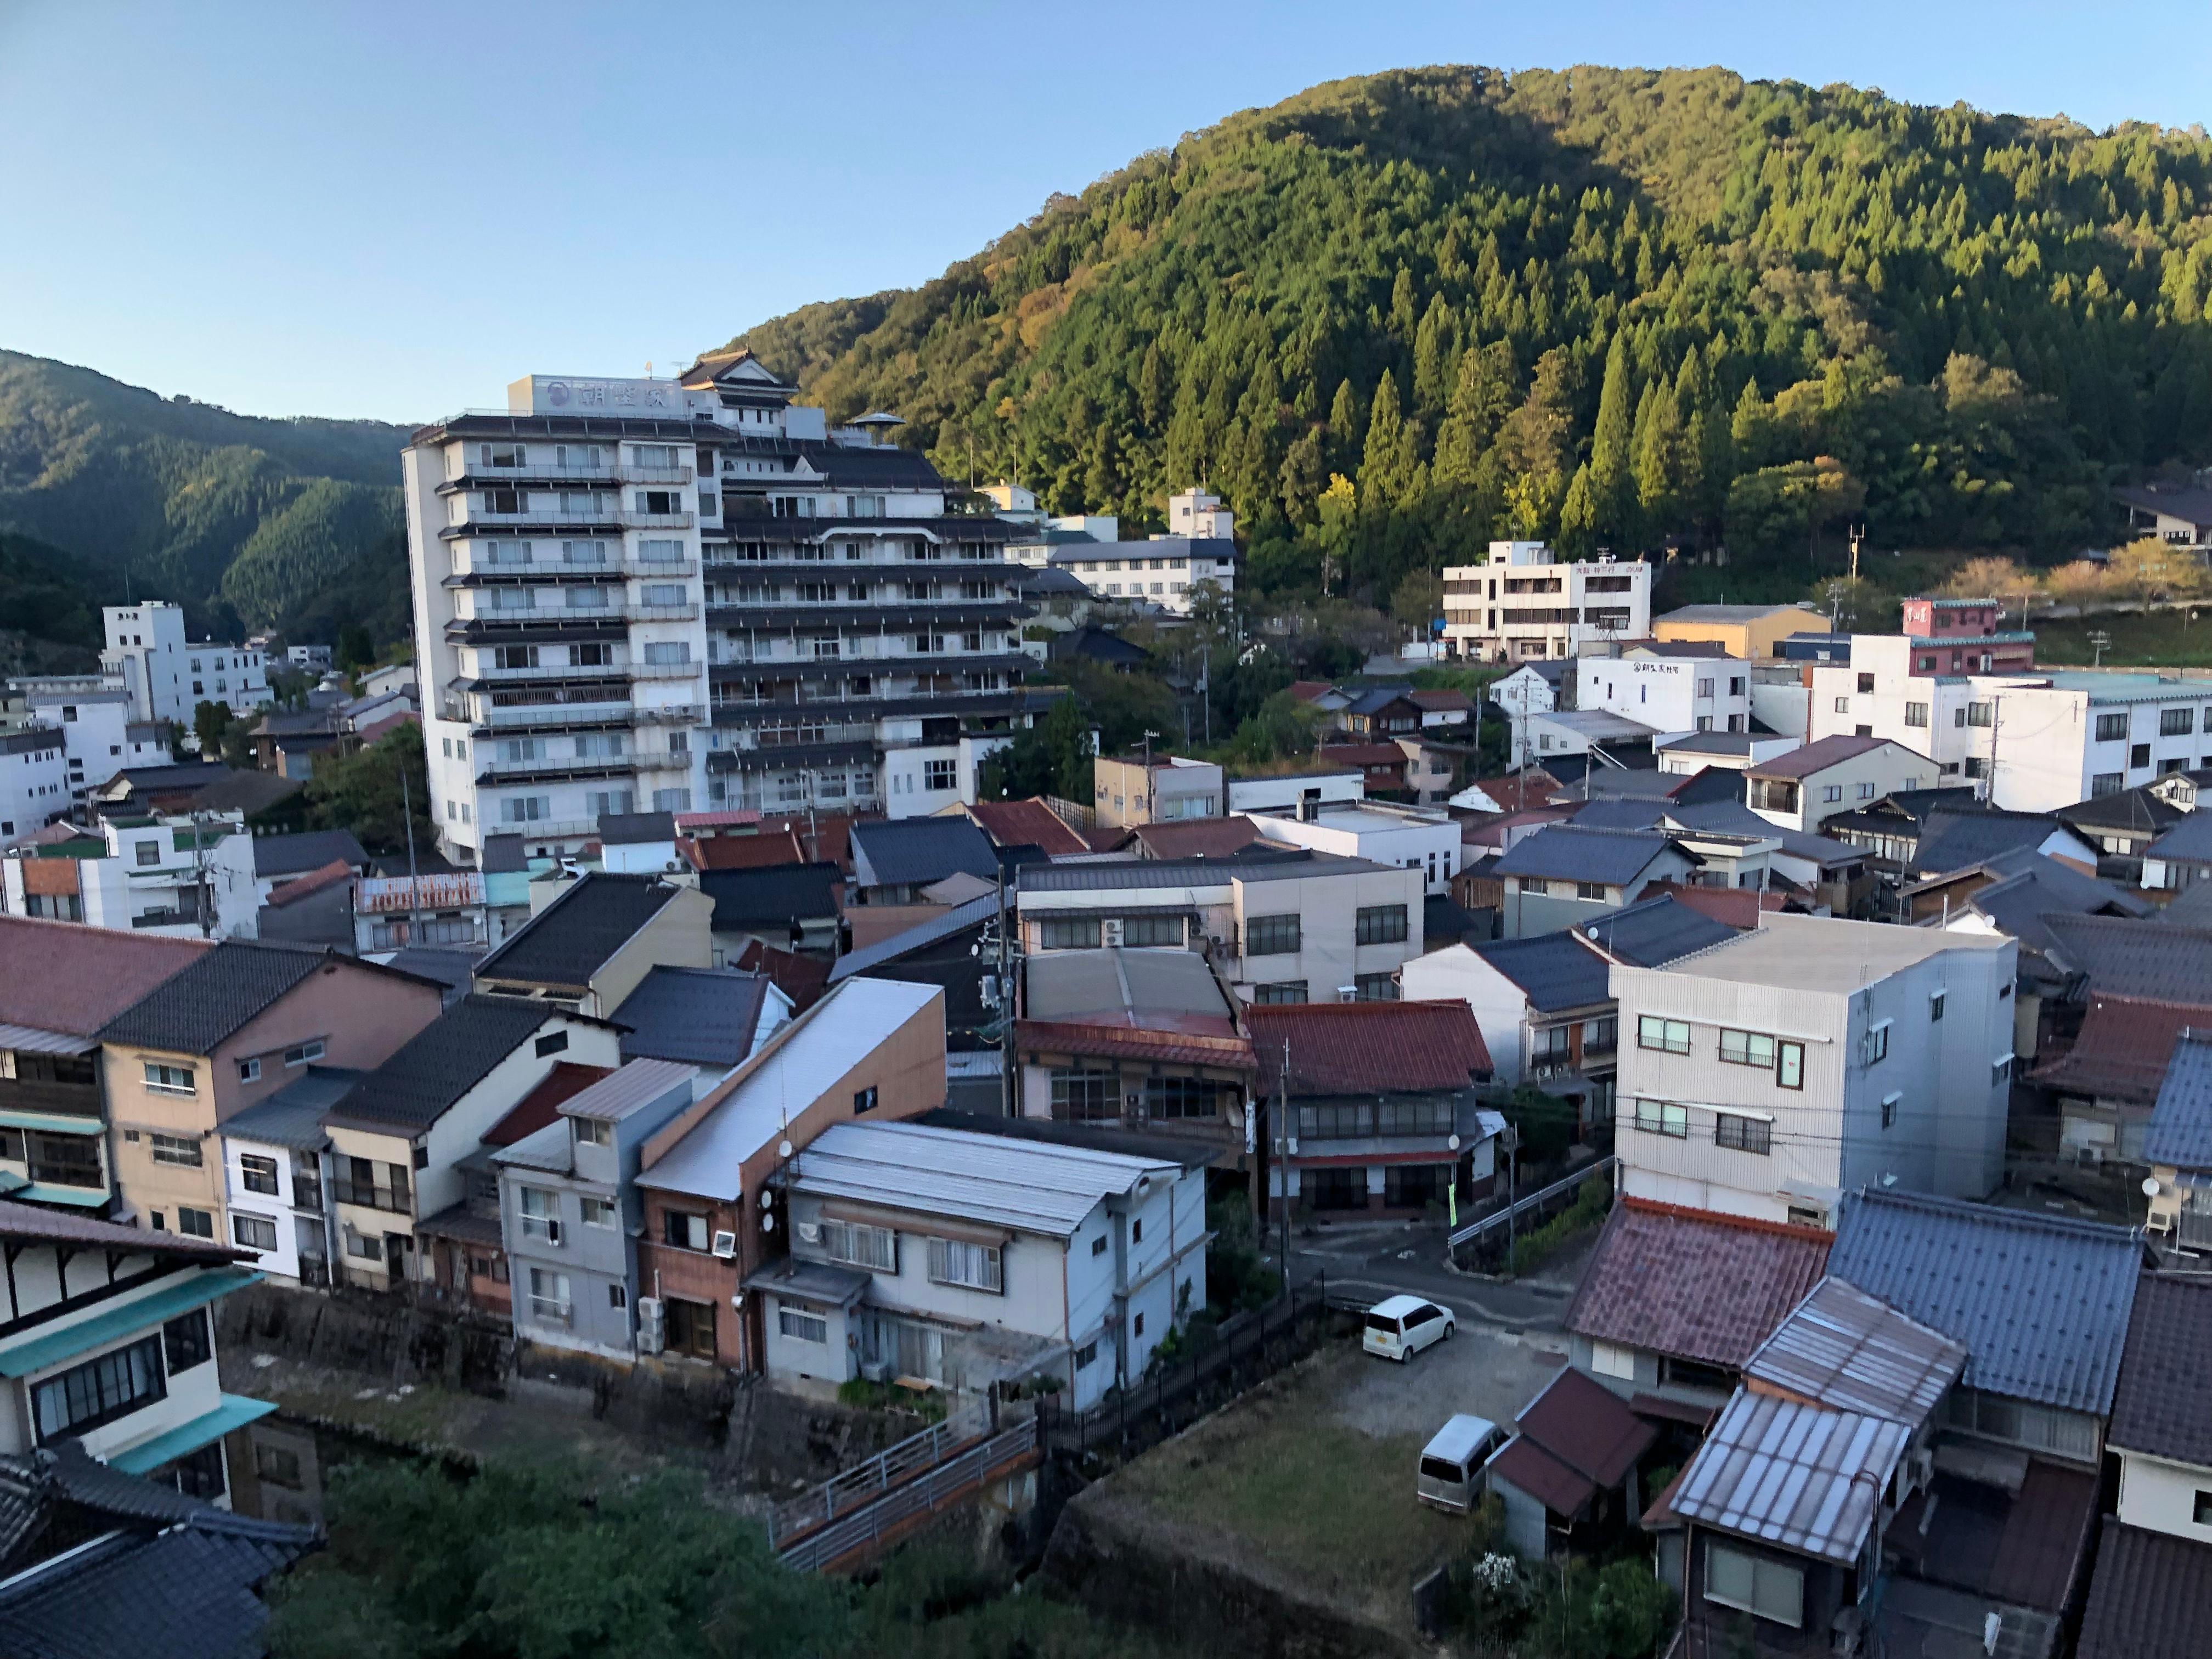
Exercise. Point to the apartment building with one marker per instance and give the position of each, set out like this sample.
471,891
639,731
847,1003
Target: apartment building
173,878
34,787
1426,839
638,595
168,676
100,735
1527,603
1129,790
1769,1074
1691,686
1197,554
1298,926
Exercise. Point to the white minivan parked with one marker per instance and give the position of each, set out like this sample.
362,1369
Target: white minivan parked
1452,1463
1400,1326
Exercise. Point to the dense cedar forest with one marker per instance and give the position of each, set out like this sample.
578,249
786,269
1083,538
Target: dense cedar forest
1394,317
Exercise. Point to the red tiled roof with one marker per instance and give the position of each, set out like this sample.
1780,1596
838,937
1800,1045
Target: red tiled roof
1197,838
1691,1284
542,1104
803,979
1739,906
728,852
2122,1049
1367,1047
1112,838
86,975
1027,824
1310,690
1587,1436
1816,756
828,840
298,887
378,728
1102,1037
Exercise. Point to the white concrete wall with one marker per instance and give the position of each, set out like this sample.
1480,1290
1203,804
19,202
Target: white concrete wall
2159,1496
1456,974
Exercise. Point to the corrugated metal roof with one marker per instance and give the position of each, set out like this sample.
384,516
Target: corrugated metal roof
1845,1350
905,852
703,1016
30,1040
626,1089
2040,1302
1801,1476
958,919
2180,1132
1026,1185
2151,1597
292,1116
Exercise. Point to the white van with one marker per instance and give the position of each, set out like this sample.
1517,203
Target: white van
1400,1326
1451,1463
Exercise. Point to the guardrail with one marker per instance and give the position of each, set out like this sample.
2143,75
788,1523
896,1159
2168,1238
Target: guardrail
1533,1202
924,1495
866,1482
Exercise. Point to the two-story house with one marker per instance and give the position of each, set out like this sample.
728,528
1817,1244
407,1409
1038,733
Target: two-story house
1567,873
960,1260
275,1176
2151,1594
570,1213
107,1340
53,1140
590,947
1774,1071
232,1029
1804,788
871,1049
398,1135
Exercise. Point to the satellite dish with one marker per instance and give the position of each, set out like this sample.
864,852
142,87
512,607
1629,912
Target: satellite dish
783,1149
768,1224
1453,1143
767,1198
2150,1187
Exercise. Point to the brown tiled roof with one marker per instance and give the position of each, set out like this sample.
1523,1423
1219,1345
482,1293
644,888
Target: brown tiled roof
542,1105
1440,702
31,1222
1739,906
803,979
86,975
1310,690
1111,838
2151,1597
741,852
1543,1477
1197,838
1691,1284
1808,759
1367,1047
1027,824
298,887
2163,1402
1100,1037
2122,1049
1576,1437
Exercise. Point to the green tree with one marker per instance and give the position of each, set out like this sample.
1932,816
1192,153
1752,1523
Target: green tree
1418,600
363,792
1052,757
1665,461
355,649
1612,458
211,723
1578,515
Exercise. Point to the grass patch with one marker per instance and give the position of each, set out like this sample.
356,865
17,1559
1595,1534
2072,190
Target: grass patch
1592,1201
2157,638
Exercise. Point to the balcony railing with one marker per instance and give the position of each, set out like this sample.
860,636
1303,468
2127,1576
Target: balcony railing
581,766
632,473
664,671
68,1175
379,1197
34,1095
551,714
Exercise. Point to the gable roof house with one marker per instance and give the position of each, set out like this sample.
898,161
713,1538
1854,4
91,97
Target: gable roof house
2178,1147
274,1176
955,951
2181,857
708,1017
1804,788
589,947
797,907
400,1135
1953,840
1570,1471
1568,872
280,858
894,859
2106,1086
239,1024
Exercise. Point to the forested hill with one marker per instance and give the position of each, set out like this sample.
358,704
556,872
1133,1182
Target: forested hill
246,522
1393,316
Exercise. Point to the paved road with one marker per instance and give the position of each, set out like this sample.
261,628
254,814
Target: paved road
1377,1260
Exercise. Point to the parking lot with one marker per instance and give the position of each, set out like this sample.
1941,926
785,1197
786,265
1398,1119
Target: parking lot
1491,1373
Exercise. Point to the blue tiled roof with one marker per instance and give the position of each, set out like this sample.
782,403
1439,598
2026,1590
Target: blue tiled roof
2189,840
2180,1132
1555,971
903,852
2041,1302
1576,852
1655,932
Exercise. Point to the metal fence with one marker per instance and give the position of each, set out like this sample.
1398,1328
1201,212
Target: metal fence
1536,1207
863,1484
921,1494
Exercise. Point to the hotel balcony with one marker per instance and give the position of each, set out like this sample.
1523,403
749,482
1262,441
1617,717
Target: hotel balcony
554,768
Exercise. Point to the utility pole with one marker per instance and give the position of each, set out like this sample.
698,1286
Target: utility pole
1858,535
1283,1167
1509,1143
2100,643
414,882
200,873
1007,1099
1149,735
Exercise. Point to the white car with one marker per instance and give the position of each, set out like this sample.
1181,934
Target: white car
1400,1326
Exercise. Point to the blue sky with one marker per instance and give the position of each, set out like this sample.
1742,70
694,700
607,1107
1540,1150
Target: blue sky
393,209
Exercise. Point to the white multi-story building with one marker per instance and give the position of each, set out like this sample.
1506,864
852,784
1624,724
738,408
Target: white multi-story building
2031,741
100,736
168,676
176,878
1165,572
1527,603
33,780
1769,1074
1673,688
1421,838
656,595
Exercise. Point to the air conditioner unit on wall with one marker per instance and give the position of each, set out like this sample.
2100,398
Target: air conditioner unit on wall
1113,930
651,1325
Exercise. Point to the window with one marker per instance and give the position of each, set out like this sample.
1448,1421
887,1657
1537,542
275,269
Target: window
1743,1134
1611,1359
1831,792
1866,792
258,1174
854,1241
1375,988
671,652
600,1212
1087,1355
1916,713
684,1231
1672,1036
2111,728
1137,1230
2139,755
150,852
306,1053
1981,713
799,1325
952,1262
1068,934
1098,1245
523,809
548,1296
1866,682
1936,1001
2176,722
200,1223
249,1071
540,1209
2105,783
187,1340
1889,1110
1875,1048
940,775
278,1466
1283,990
1747,1049
1662,1117
1180,1097
864,1100
1764,1588
551,1043
1843,705
100,1391
2201,1511
1380,924
1079,1093
1153,930
361,1245
254,1232
1269,936
1789,1065
173,1079
594,1131
181,1150
1137,1326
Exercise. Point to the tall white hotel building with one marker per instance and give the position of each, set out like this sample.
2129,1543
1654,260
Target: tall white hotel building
689,595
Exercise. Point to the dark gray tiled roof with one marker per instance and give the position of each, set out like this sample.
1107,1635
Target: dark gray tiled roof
571,938
440,1063
210,998
455,969
2125,957
2151,1597
293,856
503,856
2164,1402
2035,888
905,852
2041,1302
774,895
2188,841
2193,909
701,1016
2180,1132
1654,931
1576,851
292,1116
1556,971
1959,841
633,828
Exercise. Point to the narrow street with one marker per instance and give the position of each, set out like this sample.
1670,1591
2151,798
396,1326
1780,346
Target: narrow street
1379,1259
